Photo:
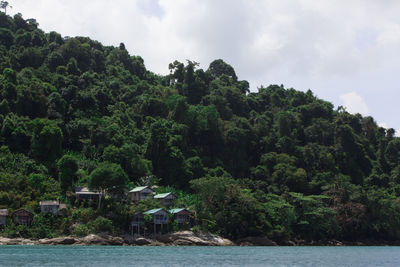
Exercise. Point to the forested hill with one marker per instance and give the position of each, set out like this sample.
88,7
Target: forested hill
276,162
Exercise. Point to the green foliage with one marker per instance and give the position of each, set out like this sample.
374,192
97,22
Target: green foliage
80,230
47,139
67,168
108,176
276,162
100,224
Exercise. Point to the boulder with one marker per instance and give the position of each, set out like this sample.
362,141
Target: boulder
189,238
256,241
57,241
141,241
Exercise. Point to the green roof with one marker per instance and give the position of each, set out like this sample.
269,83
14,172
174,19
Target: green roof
162,195
173,211
153,211
138,189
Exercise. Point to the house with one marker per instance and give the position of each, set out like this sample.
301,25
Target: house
181,216
137,223
160,216
140,193
83,193
22,216
166,199
3,216
51,206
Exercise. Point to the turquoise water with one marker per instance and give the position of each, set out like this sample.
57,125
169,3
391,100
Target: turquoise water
198,256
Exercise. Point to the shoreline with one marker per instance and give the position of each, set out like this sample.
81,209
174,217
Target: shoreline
183,238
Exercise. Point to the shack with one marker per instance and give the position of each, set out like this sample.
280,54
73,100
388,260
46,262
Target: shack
160,217
182,216
165,199
52,206
137,223
140,193
22,216
83,193
3,216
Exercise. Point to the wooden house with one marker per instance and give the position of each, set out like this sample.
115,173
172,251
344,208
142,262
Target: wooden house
52,206
160,216
140,193
137,223
182,216
83,193
22,216
165,199
3,216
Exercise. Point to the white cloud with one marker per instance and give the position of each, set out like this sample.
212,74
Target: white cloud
354,103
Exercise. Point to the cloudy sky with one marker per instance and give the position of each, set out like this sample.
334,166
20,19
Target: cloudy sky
346,52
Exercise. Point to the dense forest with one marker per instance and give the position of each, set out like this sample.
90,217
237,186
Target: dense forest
278,162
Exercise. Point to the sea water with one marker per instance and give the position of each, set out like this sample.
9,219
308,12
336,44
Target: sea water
197,256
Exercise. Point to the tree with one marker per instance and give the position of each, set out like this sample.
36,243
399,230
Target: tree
46,144
108,177
4,5
219,67
67,168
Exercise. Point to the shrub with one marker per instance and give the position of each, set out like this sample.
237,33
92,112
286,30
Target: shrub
80,230
101,224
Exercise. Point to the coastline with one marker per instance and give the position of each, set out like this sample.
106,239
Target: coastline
183,238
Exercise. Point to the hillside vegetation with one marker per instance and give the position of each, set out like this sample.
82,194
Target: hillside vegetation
277,162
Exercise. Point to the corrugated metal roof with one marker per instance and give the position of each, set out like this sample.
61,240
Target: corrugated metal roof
3,212
49,203
173,211
164,195
81,190
138,189
153,211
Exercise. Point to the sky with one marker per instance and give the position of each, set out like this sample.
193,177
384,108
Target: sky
346,52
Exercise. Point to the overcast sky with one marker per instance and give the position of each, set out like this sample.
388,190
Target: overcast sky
345,51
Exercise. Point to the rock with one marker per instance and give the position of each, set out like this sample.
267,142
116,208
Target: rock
57,241
256,241
16,241
93,239
189,238
141,241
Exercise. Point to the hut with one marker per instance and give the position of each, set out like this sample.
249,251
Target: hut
140,193
22,216
165,199
3,216
137,223
182,216
52,206
160,217
83,193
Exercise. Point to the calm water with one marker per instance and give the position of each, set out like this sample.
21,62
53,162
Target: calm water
198,256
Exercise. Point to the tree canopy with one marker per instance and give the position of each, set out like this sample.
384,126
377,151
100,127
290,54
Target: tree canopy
276,162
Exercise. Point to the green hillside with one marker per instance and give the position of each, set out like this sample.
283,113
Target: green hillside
277,162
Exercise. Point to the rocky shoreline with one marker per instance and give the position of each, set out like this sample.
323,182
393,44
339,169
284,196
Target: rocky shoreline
182,238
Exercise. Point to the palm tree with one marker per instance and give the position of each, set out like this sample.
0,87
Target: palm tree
4,5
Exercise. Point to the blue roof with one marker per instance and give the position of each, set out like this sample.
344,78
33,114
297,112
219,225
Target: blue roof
138,189
164,195
153,211
173,211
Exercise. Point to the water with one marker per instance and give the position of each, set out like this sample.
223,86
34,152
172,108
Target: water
198,256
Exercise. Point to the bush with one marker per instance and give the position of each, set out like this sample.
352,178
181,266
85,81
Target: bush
101,224
80,230
83,215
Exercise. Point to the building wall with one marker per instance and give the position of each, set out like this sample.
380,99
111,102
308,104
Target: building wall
3,220
49,209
